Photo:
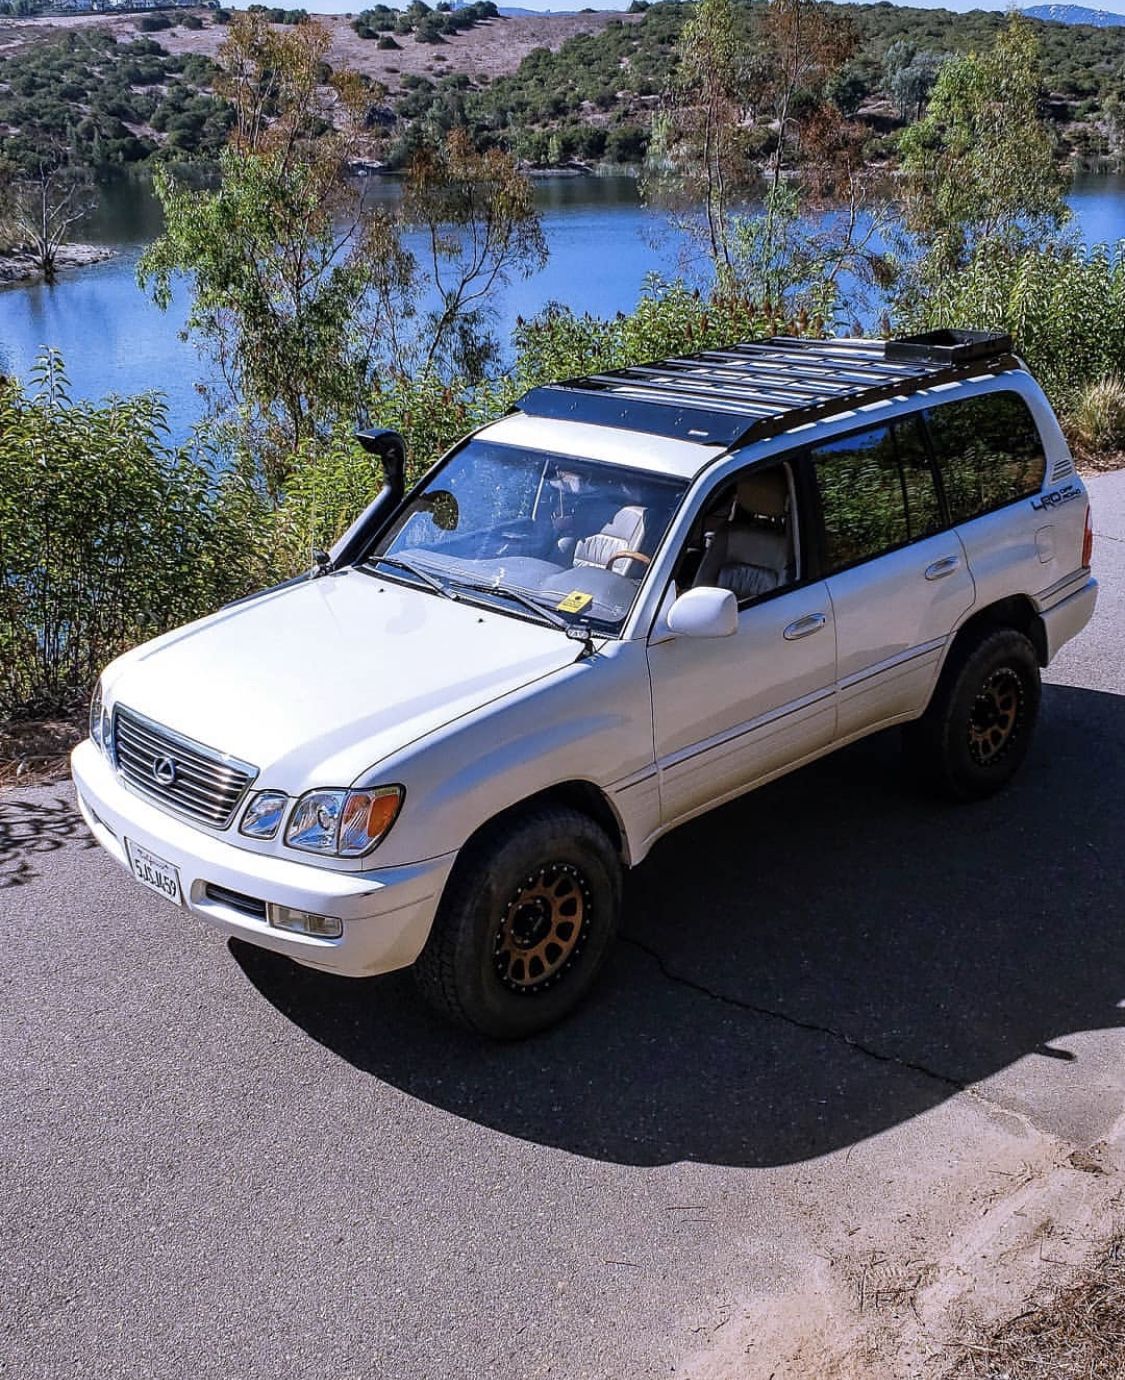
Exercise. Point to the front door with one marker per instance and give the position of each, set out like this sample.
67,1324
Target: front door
729,711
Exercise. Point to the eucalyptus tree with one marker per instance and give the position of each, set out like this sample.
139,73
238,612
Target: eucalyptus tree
980,169
304,290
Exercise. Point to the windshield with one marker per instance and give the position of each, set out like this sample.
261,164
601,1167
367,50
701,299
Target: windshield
542,535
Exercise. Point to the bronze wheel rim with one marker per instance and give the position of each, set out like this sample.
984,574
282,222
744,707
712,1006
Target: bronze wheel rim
995,718
542,928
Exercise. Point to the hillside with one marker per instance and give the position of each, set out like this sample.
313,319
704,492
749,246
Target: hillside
552,88
486,51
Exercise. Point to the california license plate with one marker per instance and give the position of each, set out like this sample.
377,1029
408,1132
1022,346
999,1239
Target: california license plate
155,873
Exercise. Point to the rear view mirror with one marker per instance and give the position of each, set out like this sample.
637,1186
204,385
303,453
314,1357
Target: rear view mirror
704,612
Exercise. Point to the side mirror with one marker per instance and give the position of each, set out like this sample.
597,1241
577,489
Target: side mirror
704,612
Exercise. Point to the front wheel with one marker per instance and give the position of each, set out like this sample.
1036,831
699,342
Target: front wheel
527,919
977,729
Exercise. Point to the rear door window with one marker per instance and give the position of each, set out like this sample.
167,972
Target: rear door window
861,497
877,492
988,451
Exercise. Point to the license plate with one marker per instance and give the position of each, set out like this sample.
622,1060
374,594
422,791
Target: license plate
154,873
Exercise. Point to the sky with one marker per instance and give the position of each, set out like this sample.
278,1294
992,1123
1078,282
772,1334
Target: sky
354,6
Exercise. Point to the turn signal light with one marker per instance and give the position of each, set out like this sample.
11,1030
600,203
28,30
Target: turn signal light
1088,538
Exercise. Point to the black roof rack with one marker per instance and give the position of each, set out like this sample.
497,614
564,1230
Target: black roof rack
748,392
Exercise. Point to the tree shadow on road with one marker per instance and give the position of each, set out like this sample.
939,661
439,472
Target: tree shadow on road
817,962
30,828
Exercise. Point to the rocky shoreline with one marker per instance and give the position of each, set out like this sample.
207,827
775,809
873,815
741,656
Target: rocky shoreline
20,266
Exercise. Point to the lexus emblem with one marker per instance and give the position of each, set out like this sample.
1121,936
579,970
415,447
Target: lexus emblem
164,771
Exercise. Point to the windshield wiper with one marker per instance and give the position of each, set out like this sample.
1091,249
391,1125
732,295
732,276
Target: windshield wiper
544,615
397,563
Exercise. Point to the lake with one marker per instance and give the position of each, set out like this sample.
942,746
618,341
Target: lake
603,244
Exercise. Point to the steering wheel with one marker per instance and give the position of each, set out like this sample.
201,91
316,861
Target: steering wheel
628,556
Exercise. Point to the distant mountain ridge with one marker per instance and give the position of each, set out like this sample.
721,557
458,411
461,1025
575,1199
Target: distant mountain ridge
1076,14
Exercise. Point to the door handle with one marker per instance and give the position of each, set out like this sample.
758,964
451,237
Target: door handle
812,622
940,569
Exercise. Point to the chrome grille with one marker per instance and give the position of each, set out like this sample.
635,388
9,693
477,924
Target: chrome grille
196,781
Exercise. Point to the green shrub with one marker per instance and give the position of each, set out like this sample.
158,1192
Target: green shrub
107,537
1064,307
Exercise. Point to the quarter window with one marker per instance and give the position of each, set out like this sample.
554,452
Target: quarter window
988,451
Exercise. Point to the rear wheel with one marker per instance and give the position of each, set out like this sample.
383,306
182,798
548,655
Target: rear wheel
977,729
525,924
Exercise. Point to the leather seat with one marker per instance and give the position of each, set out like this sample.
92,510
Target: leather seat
625,531
751,552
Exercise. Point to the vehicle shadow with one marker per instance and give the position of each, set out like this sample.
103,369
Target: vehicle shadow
819,961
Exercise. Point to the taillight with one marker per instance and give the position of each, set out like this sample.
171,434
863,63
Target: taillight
1088,537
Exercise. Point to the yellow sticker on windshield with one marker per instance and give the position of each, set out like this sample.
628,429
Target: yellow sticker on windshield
575,602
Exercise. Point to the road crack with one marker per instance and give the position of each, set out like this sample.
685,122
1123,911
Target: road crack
812,1027
959,1085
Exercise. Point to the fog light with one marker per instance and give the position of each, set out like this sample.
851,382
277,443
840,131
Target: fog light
304,922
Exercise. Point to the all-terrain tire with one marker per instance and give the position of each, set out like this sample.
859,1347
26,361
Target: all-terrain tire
526,921
977,729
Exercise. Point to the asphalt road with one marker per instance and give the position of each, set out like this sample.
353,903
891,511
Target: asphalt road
840,1008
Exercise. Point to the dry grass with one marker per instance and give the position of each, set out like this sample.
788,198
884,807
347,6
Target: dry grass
1077,1333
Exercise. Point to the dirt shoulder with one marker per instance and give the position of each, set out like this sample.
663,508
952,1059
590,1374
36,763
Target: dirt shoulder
36,752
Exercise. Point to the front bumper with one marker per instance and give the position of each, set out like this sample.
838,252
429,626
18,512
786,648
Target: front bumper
386,912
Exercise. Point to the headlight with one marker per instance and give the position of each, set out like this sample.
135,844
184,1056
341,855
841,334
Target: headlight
101,725
96,709
261,818
346,824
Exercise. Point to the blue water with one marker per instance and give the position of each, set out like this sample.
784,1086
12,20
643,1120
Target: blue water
603,244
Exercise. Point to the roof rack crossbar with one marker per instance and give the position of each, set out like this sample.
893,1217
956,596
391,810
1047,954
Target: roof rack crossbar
783,386
707,385
822,375
857,370
658,392
752,407
841,364
852,374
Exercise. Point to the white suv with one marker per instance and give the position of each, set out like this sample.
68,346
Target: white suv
637,596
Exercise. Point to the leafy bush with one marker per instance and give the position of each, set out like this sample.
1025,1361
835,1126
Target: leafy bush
1063,305
107,536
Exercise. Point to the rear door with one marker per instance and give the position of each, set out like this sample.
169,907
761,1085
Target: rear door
990,459
897,581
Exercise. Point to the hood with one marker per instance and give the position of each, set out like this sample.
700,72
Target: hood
316,683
